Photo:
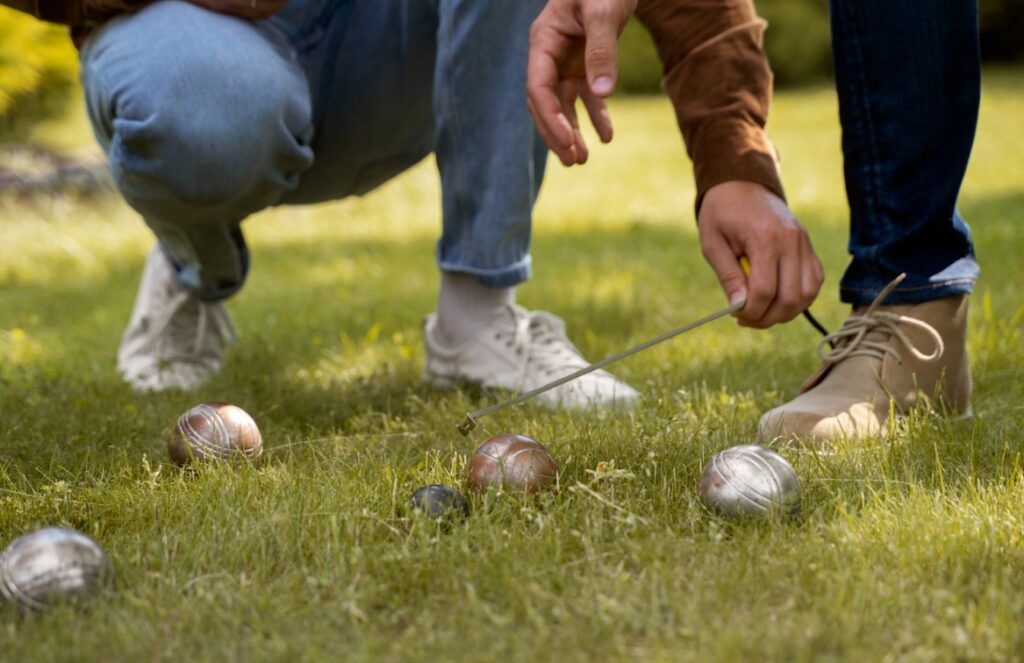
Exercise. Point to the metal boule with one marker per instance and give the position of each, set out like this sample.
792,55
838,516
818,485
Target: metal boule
439,502
750,481
52,566
215,432
512,461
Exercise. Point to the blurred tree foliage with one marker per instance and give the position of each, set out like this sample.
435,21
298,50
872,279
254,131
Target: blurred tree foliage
1002,30
798,42
639,66
38,71
39,66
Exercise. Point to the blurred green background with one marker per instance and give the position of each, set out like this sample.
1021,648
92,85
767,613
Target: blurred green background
38,68
798,39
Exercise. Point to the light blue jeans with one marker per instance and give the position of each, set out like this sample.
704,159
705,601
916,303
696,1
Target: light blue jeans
208,118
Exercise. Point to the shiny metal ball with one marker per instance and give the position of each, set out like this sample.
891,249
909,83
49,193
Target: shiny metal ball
439,502
53,565
512,461
748,481
215,431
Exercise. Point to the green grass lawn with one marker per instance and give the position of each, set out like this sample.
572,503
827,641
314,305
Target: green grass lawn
910,547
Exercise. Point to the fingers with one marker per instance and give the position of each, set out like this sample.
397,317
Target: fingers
788,296
762,286
775,285
602,28
568,38
597,109
569,91
745,219
724,262
812,275
785,278
543,95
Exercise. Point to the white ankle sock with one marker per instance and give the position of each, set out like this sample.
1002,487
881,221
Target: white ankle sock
465,305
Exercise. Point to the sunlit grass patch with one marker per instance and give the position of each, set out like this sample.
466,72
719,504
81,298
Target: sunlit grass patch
910,545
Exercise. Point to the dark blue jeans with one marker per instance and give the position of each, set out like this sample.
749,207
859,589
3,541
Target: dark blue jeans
908,78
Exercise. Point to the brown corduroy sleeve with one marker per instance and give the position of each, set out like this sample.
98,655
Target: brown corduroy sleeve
718,79
75,13
27,6
108,7
67,12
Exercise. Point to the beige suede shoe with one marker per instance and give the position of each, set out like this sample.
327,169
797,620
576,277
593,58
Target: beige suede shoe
903,356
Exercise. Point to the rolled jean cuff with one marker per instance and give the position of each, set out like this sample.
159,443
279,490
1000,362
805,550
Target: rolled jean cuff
188,273
912,294
505,277
211,295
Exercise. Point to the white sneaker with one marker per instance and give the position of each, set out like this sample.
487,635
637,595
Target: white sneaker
173,341
520,351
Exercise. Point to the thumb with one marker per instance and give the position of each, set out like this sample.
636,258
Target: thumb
727,267
601,57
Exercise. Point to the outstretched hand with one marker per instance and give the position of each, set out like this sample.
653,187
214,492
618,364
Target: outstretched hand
574,55
256,9
746,219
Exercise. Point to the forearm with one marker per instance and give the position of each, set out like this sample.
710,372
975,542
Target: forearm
719,82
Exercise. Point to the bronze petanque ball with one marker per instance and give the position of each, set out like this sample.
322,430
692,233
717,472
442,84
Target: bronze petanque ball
215,431
53,565
439,502
750,481
512,461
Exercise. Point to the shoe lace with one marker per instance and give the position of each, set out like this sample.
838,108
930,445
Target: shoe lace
851,339
193,329
540,337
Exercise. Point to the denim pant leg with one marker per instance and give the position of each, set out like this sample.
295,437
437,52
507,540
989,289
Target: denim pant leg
370,68
489,153
908,78
206,119
394,79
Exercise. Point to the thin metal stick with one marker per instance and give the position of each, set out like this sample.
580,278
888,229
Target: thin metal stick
469,423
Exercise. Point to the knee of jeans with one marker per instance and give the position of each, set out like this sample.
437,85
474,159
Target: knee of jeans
216,146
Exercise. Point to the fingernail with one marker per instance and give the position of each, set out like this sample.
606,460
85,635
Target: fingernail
602,85
607,118
737,297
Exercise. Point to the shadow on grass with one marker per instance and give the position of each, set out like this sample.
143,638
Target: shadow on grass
323,353
327,352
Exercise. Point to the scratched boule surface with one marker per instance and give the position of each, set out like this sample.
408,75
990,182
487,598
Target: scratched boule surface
750,480
215,431
513,461
53,565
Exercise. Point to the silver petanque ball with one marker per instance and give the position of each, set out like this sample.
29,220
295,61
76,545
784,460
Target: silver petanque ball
750,481
53,565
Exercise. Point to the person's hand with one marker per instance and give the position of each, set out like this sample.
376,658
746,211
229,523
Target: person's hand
745,219
256,9
573,54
